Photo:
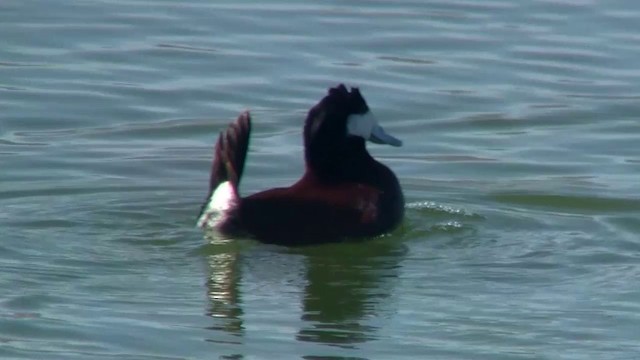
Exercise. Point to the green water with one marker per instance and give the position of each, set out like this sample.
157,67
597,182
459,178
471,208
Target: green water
520,169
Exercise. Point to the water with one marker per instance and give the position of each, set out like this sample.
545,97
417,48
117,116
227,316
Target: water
520,169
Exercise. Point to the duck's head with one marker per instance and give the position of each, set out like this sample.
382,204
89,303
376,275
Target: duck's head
336,130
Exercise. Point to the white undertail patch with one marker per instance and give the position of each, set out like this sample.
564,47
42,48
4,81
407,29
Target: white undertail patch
222,199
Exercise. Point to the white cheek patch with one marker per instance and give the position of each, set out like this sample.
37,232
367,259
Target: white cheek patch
222,199
361,124
366,126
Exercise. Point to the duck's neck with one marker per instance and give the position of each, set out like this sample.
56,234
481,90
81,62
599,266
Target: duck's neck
349,162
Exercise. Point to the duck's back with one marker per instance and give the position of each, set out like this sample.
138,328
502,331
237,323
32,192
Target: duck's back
311,211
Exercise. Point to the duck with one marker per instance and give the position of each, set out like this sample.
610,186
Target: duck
344,193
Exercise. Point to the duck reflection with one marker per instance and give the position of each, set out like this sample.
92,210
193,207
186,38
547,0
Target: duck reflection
347,285
223,293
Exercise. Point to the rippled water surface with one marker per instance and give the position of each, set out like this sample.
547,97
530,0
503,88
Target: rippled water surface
520,167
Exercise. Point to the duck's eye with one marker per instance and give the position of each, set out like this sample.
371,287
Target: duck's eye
366,126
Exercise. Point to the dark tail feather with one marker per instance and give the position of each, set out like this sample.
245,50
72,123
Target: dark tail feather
231,152
229,155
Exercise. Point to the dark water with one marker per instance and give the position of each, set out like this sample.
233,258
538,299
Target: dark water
520,167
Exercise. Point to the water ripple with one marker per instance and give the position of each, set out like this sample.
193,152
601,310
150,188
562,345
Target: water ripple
520,171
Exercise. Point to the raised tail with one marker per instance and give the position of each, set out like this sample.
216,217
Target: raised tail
226,171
